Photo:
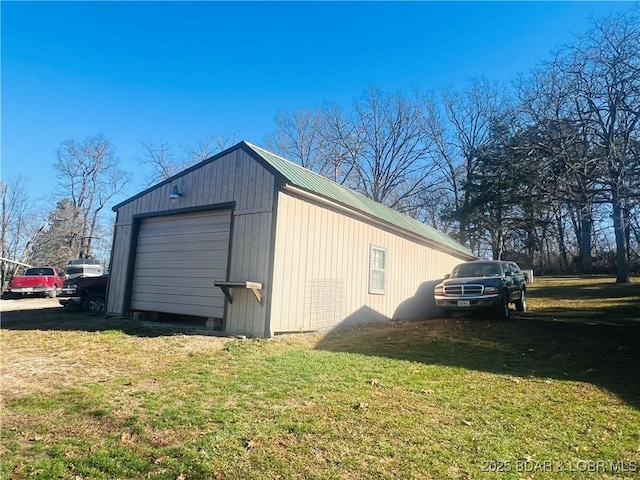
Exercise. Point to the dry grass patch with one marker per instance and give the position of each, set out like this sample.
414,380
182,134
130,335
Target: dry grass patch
44,361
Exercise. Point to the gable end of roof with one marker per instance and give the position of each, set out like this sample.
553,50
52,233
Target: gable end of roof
241,145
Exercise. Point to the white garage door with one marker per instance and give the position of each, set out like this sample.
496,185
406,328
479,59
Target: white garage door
178,257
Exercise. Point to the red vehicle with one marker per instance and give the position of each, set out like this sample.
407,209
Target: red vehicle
37,281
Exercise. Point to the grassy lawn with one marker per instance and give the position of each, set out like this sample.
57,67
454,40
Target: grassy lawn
552,393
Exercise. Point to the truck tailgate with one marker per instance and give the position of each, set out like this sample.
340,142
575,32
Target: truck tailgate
30,281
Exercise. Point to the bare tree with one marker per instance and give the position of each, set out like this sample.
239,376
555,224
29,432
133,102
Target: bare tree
90,177
603,69
558,143
58,240
447,196
312,138
165,163
301,136
207,147
379,148
392,154
18,225
459,125
161,160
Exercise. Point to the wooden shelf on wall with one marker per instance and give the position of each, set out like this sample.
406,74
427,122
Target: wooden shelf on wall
227,286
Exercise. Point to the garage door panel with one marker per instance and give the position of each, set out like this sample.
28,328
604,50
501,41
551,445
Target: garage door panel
182,295
196,282
204,231
197,279
185,242
196,250
190,218
178,258
193,249
185,262
197,310
182,238
188,252
180,286
183,270
159,229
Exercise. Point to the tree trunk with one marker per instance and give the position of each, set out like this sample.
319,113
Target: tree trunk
564,260
622,266
585,243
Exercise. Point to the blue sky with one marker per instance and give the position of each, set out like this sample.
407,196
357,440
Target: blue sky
178,72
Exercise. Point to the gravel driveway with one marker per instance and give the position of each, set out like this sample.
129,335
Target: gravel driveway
28,304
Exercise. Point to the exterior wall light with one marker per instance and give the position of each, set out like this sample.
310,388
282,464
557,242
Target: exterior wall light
175,194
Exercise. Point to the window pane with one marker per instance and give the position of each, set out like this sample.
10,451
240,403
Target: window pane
378,259
377,280
378,266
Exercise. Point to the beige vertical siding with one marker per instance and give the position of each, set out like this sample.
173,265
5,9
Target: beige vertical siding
235,177
321,270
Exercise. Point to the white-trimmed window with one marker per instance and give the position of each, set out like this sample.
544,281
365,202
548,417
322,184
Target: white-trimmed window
378,270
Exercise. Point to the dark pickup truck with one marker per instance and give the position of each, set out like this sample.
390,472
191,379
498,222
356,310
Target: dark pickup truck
85,293
483,285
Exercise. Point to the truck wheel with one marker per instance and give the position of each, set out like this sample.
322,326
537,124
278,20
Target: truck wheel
521,304
502,310
94,303
53,293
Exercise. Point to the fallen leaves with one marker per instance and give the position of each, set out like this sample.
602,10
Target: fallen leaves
127,438
16,475
251,444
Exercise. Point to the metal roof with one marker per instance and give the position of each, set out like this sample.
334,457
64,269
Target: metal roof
303,178
300,177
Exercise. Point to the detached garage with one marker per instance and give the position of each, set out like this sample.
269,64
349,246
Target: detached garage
258,245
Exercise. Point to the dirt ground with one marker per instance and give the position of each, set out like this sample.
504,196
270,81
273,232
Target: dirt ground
44,347
28,304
